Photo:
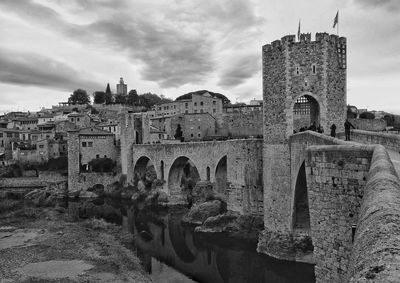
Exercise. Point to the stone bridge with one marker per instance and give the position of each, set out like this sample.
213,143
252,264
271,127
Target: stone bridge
233,167
345,196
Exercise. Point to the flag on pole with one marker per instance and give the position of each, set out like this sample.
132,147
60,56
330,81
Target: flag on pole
298,32
336,20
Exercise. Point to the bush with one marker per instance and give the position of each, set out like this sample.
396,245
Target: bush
101,165
367,115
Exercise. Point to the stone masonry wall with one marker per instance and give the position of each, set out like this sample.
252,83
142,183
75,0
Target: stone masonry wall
336,177
390,141
241,124
375,125
376,250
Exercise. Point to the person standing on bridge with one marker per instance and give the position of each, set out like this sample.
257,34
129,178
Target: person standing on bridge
347,126
333,131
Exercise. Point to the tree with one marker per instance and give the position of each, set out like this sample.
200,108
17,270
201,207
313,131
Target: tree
367,115
120,99
178,133
133,98
99,97
108,95
389,119
79,96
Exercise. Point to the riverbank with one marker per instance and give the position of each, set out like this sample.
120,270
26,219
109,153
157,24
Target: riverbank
47,245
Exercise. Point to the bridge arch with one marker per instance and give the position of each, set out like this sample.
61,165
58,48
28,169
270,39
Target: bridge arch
221,176
301,213
143,170
306,111
183,176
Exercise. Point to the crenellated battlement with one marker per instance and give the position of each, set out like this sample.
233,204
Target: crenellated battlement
305,38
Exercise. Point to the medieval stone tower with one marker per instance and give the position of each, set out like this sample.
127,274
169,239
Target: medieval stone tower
304,82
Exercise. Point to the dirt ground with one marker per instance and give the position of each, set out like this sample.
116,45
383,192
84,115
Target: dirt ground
45,245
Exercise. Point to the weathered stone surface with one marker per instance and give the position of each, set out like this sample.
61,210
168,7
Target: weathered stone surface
200,212
243,227
292,247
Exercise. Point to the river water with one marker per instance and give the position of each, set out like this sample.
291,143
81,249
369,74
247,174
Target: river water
173,253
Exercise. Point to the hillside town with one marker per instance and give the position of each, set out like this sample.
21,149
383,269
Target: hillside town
37,137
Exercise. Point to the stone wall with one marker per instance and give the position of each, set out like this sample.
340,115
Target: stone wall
374,125
390,141
336,177
242,124
28,182
375,254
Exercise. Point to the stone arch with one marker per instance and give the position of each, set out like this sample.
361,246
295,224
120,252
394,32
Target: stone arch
183,176
143,170
306,111
301,213
221,175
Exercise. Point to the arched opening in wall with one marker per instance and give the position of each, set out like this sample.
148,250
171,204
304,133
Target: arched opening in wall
137,138
221,176
305,113
182,177
162,169
144,173
208,173
301,213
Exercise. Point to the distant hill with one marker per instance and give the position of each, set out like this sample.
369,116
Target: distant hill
225,100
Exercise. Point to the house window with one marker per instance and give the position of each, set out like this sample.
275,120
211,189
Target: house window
1,135
201,110
214,102
83,144
97,155
41,146
186,111
9,135
214,110
199,135
195,111
186,105
191,135
201,103
195,104
199,127
90,144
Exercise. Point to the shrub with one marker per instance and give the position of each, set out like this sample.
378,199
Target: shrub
367,115
101,165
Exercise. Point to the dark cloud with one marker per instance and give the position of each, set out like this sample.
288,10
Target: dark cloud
174,49
390,5
36,70
241,69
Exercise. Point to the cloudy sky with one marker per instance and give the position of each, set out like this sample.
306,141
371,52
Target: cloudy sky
51,47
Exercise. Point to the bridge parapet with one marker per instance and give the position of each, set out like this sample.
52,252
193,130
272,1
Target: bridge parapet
336,177
376,250
390,141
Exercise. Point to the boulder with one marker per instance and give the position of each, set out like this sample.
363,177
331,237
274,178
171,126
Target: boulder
200,212
244,227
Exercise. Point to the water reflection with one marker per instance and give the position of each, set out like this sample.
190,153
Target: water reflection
173,253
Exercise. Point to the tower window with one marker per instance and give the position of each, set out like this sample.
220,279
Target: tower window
314,69
297,70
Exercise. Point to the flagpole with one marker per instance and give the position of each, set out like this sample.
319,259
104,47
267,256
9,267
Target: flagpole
338,25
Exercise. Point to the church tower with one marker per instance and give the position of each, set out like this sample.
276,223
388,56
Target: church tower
122,88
